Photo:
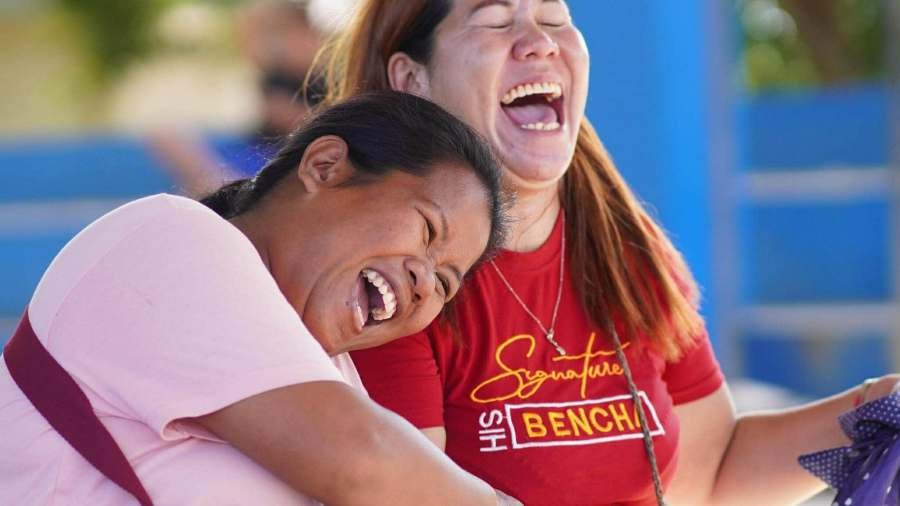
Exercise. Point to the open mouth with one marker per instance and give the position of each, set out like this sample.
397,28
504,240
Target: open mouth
535,106
377,300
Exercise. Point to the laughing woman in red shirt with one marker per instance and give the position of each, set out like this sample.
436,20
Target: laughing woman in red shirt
581,372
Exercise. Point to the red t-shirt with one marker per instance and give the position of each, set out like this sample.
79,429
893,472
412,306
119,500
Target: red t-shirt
544,428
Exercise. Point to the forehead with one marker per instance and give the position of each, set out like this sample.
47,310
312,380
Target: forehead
470,5
450,179
448,185
456,190
461,11
463,199
458,193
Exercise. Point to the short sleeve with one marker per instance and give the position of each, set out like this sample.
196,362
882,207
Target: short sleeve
181,318
695,375
403,376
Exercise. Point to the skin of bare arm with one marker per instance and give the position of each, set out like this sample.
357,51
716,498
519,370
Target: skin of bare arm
190,161
330,442
437,435
752,459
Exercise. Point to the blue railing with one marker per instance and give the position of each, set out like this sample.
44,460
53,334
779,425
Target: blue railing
54,187
817,296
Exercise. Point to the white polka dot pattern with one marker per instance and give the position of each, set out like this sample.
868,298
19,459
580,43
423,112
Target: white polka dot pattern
865,472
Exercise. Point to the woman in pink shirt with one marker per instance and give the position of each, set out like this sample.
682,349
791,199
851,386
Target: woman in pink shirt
210,338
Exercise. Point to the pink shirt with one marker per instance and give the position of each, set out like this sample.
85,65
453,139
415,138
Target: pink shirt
160,310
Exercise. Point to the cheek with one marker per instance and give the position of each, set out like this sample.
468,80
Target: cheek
319,320
472,109
471,52
576,55
386,233
465,78
424,316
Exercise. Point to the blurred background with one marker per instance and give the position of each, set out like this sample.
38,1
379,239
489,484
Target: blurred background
764,134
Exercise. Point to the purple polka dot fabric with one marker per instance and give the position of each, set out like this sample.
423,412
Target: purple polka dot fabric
866,471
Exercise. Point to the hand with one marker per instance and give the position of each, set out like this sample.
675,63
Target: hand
880,387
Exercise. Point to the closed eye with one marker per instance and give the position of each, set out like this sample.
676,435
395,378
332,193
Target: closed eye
428,231
445,285
430,227
492,15
554,25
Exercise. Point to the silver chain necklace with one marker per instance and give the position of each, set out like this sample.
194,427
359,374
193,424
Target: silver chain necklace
548,333
620,355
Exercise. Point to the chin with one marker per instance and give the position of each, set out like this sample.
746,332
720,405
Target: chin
527,174
362,344
330,341
353,342
534,168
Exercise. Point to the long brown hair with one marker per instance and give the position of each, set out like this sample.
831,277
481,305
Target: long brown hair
620,261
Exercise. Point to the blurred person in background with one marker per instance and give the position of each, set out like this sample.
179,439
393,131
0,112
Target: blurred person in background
583,373
207,340
277,38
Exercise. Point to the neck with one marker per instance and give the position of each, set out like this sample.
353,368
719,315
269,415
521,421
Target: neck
246,224
533,217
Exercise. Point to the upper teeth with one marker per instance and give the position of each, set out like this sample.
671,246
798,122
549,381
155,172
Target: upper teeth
551,90
388,298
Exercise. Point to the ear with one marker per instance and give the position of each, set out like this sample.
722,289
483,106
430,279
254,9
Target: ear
406,74
325,164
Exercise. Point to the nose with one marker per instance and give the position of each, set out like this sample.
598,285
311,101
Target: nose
421,277
534,43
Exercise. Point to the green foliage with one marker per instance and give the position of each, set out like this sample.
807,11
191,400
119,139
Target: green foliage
780,53
116,31
863,27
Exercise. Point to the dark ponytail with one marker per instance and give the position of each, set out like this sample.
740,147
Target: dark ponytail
384,131
224,200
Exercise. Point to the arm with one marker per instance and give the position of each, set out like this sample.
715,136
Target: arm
190,162
403,376
752,459
330,442
437,435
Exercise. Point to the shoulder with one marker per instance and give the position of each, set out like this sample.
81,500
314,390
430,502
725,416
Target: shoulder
178,239
163,227
129,220
136,239
147,209
176,213
158,226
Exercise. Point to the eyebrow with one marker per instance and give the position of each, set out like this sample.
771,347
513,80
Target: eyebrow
487,3
506,3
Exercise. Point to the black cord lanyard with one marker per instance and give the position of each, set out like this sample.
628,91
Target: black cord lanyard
645,429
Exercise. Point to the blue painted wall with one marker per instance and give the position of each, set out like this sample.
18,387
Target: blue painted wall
649,102
808,129
820,252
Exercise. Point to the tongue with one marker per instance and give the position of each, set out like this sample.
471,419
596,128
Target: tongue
531,113
375,301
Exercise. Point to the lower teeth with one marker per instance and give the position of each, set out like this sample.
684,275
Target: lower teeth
541,126
378,314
